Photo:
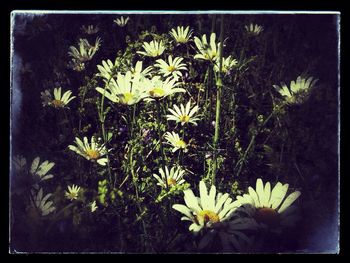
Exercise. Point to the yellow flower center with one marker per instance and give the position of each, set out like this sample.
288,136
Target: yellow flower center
184,118
171,182
171,68
267,216
57,103
181,39
157,92
208,216
126,97
180,144
93,154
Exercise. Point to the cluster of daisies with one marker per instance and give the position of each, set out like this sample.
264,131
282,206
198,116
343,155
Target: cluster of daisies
213,214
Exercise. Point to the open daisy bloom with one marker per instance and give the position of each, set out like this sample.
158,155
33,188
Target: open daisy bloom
174,139
254,29
39,172
173,67
227,64
121,21
58,101
138,73
73,192
107,69
207,210
299,90
125,90
207,51
152,49
183,114
181,35
157,88
41,203
270,208
170,178
92,152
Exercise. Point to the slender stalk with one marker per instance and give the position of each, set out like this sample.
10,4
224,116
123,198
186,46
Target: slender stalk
218,103
160,133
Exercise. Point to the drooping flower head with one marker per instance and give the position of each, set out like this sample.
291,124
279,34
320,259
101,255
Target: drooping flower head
85,50
253,29
181,35
299,90
41,203
270,208
58,101
184,114
228,64
207,51
152,49
172,67
174,140
170,178
92,152
121,21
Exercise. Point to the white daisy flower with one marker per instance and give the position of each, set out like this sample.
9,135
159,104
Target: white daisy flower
299,90
227,64
173,67
85,51
107,69
39,172
174,139
138,73
152,49
93,206
254,29
181,35
73,192
92,152
207,210
170,178
184,114
157,88
207,51
59,100
121,21
270,208
41,203
125,90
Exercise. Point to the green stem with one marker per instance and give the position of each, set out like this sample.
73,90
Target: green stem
160,133
218,103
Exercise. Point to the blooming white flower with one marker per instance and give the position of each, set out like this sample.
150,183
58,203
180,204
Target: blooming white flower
173,67
125,90
39,202
254,29
207,52
92,152
170,178
269,207
183,114
181,35
90,29
107,69
138,73
93,206
299,89
227,64
152,49
85,51
59,100
39,172
73,192
157,88
207,210
121,21
174,139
